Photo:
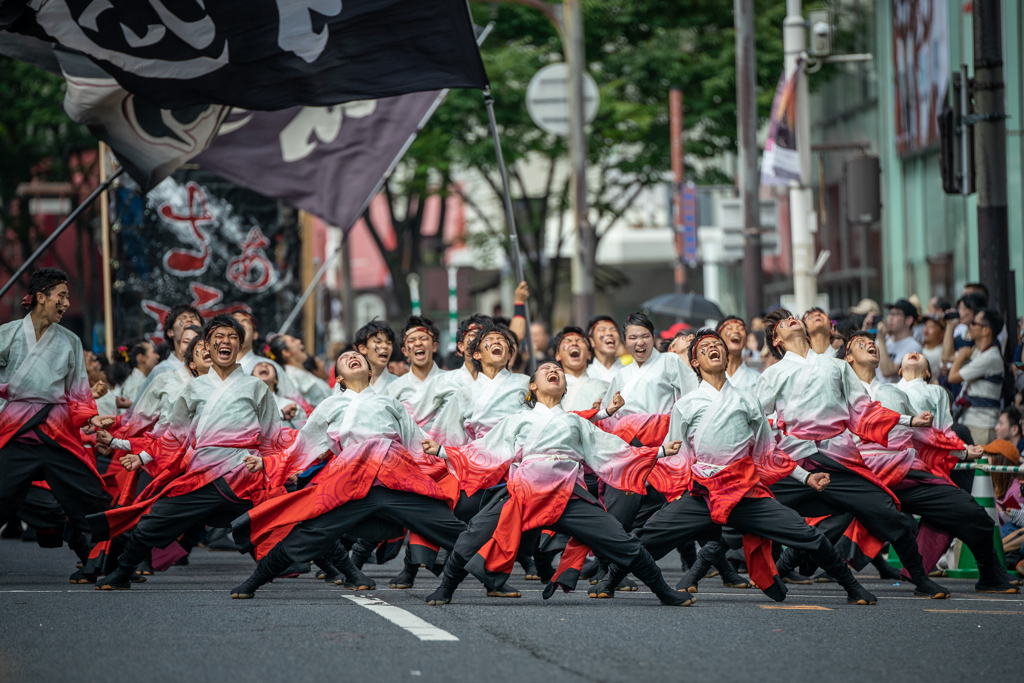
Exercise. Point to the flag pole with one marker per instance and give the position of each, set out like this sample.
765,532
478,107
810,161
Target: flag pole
61,228
108,298
517,257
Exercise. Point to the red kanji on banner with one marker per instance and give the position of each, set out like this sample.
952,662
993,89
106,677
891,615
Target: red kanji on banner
185,262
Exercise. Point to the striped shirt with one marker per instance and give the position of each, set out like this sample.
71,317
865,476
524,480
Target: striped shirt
983,376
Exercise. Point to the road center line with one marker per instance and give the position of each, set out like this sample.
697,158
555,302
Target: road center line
398,616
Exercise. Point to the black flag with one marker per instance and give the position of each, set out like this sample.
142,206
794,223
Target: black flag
265,54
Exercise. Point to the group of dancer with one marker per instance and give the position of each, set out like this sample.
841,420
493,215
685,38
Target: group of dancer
604,460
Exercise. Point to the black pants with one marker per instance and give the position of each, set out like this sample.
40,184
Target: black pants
170,517
868,503
632,510
583,520
688,518
428,517
954,511
76,488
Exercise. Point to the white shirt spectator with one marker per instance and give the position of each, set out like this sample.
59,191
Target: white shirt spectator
983,386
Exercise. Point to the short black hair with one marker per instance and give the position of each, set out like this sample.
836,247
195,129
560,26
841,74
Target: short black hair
190,353
488,328
532,400
249,314
131,352
638,319
44,280
728,318
692,351
845,351
771,321
978,285
572,329
973,301
994,320
477,319
815,309
274,348
371,329
1013,415
224,320
414,321
599,318
175,313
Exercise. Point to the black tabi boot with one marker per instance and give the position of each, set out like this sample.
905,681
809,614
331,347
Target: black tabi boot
545,569
602,571
361,552
118,580
590,568
605,588
993,577
407,577
355,579
529,569
687,555
453,575
266,569
328,572
924,586
885,570
146,568
699,569
730,577
646,569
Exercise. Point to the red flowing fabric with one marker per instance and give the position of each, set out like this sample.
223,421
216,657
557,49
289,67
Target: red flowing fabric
729,486
570,565
876,423
760,565
649,430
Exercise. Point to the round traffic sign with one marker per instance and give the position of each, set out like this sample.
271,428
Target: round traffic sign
547,98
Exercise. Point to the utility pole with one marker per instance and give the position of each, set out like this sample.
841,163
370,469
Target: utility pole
990,162
749,180
801,204
584,259
675,116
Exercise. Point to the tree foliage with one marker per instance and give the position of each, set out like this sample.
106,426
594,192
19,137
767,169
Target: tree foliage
636,51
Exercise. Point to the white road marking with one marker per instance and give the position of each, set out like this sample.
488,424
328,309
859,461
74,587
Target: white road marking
398,616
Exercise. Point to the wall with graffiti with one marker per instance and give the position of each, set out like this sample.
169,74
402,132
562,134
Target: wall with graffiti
199,239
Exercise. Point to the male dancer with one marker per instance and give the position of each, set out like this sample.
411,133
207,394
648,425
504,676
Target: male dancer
920,491
45,401
178,319
575,353
248,359
816,400
419,343
730,449
604,339
378,471
734,332
820,331
218,420
375,340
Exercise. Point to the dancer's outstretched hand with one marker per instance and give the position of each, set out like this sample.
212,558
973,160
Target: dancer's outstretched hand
672,447
103,437
131,462
818,481
431,447
617,402
922,420
102,421
253,463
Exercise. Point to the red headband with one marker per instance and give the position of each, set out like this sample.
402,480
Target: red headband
29,299
418,327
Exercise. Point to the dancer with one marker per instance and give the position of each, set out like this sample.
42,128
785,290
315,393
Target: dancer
920,491
375,340
731,452
248,359
292,416
142,359
415,389
376,470
604,339
816,400
820,331
178,319
541,451
219,419
734,332
46,400
574,352
290,352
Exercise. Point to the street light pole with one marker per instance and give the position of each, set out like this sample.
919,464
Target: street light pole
801,202
749,181
583,260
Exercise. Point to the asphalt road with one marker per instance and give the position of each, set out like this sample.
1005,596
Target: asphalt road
182,626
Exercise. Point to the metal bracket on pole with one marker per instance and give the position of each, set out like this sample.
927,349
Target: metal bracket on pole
56,233
517,258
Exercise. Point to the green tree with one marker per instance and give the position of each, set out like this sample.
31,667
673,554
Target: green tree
636,51
37,141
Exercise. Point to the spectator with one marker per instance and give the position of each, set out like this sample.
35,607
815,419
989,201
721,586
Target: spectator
870,310
918,330
958,336
541,334
1009,500
980,368
895,339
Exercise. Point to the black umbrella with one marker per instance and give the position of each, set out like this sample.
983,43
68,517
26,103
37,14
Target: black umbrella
691,306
